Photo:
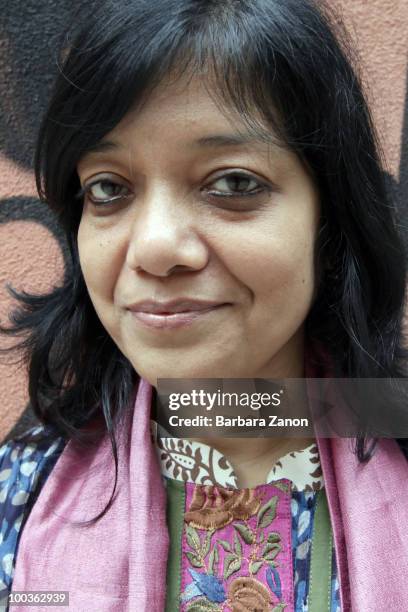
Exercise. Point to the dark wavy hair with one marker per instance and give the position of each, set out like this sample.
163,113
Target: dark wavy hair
290,61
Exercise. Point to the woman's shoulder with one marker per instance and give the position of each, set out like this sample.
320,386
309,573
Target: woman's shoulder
22,461
25,463
24,454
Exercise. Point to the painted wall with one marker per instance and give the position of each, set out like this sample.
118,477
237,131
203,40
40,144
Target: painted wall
31,247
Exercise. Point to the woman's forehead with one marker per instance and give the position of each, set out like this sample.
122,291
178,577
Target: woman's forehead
193,117
191,102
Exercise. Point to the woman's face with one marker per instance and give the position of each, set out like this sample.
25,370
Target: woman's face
224,225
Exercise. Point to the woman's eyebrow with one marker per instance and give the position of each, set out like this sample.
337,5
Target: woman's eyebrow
101,147
211,141
227,140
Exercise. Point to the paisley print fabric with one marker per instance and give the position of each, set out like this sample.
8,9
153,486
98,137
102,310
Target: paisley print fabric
199,463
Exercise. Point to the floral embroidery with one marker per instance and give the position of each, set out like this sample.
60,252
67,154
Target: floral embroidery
214,507
249,594
236,545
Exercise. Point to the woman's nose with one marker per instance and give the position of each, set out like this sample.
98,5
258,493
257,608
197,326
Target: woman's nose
164,237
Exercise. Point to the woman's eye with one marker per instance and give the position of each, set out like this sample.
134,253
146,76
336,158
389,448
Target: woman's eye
105,191
237,185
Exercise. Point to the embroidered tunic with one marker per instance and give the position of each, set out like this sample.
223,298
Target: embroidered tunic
265,548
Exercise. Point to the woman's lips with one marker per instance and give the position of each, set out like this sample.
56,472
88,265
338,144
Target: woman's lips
173,320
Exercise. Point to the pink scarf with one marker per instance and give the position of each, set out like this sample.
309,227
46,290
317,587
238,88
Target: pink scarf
119,564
